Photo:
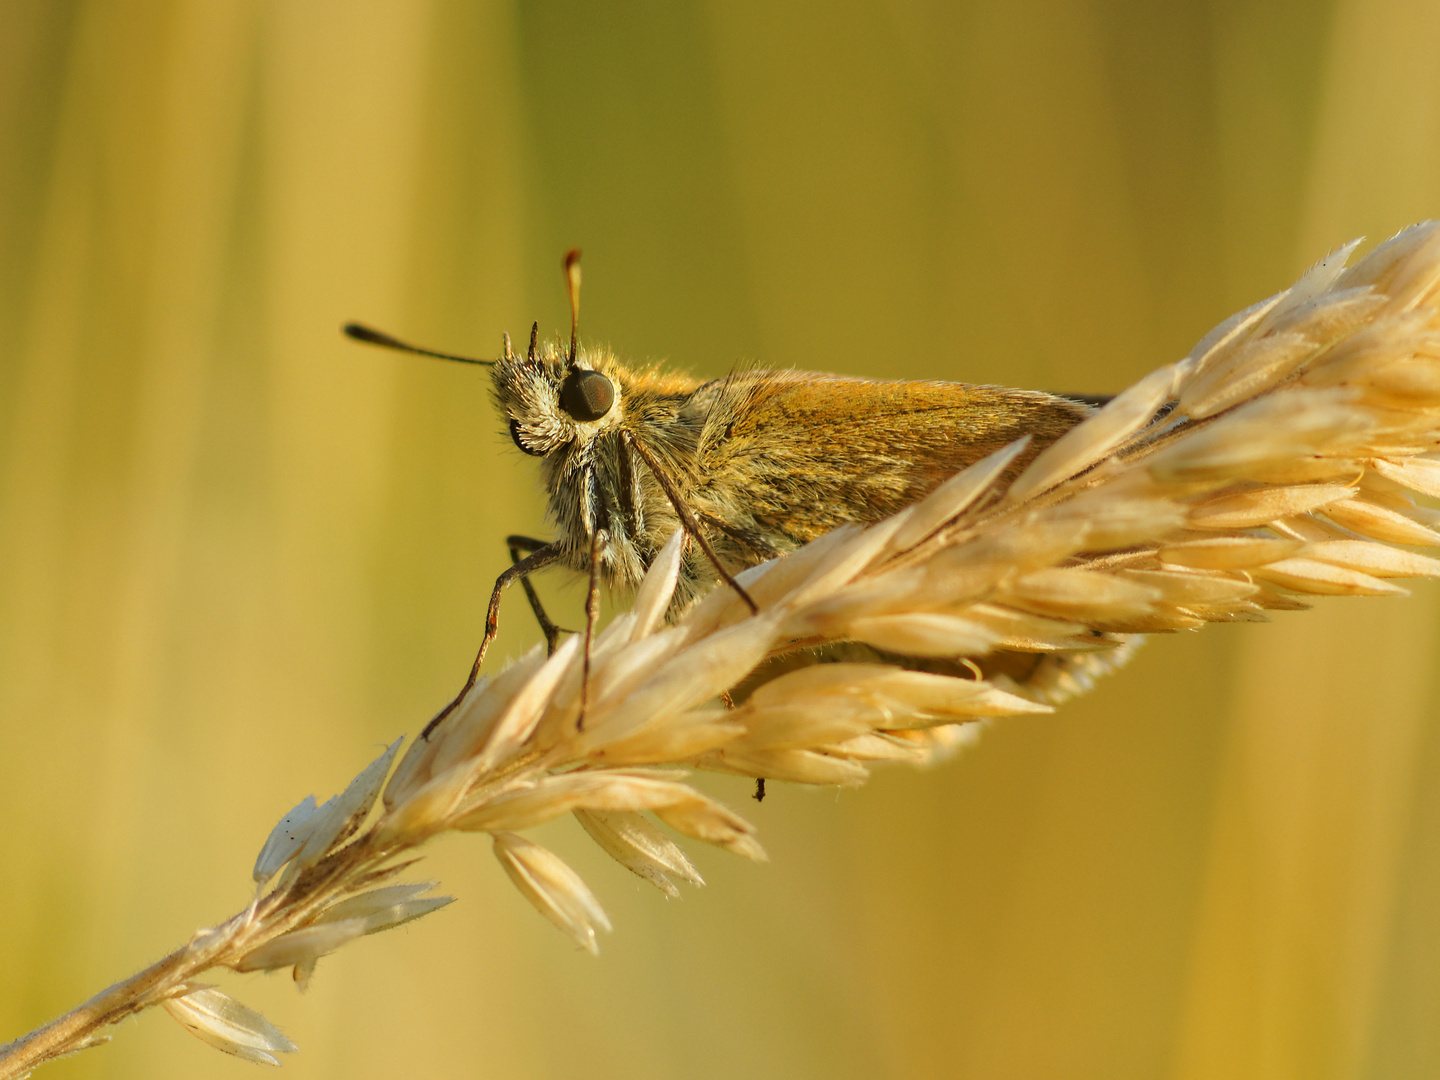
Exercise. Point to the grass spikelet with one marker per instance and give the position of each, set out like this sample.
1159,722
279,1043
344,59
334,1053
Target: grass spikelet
227,1025
641,848
1278,461
557,892
1093,441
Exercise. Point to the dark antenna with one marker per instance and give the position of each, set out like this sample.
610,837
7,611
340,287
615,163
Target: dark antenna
375,337
572,288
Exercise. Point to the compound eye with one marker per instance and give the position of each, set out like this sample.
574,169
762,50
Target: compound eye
586,395
515,437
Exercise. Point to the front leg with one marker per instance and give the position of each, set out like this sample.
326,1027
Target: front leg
542,557
552,633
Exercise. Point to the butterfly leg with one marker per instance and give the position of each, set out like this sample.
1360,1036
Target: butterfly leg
687,519
592,617
552,633
537,560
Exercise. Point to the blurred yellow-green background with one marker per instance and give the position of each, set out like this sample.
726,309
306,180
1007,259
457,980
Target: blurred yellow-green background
238,554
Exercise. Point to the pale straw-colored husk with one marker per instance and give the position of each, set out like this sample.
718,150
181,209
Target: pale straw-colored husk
1277,461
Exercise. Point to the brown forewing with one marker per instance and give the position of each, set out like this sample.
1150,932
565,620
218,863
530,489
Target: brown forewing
784,457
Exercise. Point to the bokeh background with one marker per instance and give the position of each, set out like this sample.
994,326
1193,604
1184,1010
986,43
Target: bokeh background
238,554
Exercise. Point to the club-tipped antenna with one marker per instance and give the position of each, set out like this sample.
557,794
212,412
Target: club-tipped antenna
371,336
572,288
